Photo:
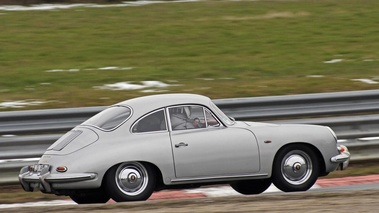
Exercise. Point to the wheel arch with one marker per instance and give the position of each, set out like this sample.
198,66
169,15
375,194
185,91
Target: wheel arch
320,157
158,174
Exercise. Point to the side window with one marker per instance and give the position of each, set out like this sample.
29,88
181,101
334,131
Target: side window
187,117
153,122
211,120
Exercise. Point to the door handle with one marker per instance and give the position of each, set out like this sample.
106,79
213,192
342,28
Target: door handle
181,144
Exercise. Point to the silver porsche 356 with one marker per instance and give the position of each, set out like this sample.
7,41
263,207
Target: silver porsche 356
146,144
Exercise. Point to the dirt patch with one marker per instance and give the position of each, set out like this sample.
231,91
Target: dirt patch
270,15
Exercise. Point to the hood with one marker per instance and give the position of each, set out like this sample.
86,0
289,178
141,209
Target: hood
259,124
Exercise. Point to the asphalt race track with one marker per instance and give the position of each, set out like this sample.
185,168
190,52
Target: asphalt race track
352,194
311,201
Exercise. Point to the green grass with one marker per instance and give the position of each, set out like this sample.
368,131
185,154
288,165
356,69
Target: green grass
249,48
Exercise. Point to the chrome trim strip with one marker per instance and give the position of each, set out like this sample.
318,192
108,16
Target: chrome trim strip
218,178
55,178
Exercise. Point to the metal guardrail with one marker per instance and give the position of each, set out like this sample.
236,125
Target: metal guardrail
27,134
319,104
44,121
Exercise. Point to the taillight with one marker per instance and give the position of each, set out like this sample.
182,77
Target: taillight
61,169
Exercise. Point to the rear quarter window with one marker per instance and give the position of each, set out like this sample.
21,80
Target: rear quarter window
152,122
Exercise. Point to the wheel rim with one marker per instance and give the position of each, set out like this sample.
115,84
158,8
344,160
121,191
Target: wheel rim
296,167
131,178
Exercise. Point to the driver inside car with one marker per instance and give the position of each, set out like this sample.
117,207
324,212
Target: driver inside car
181,118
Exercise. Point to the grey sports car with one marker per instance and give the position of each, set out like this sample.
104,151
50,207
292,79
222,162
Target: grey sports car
142,145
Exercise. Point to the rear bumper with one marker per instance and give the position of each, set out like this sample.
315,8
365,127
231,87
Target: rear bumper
44,180
343,158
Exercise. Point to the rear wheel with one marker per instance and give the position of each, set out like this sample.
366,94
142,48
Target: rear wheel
95,196
296,168
131,181
250,187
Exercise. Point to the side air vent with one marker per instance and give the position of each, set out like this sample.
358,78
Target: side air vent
68,139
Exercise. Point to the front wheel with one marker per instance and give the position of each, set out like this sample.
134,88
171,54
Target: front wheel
251,187
295,168
131,181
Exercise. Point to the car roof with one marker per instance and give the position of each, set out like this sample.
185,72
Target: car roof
149,103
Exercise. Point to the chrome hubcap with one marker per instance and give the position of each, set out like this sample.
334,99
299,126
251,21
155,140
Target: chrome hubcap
296,167
131,178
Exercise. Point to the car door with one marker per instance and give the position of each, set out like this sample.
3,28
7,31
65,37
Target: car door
213,150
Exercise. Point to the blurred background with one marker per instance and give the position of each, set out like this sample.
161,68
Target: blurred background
89,53
92,55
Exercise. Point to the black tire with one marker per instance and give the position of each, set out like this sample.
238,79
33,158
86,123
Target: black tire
296,168
95,196
251,187
131,181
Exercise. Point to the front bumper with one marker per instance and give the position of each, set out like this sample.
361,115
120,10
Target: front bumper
42,178
343,158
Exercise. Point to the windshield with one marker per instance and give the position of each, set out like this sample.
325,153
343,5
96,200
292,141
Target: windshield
109,118
225,119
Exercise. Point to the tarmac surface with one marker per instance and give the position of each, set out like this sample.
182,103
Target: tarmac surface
228,191
223,191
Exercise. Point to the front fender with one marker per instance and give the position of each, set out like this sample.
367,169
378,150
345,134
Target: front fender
272,138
